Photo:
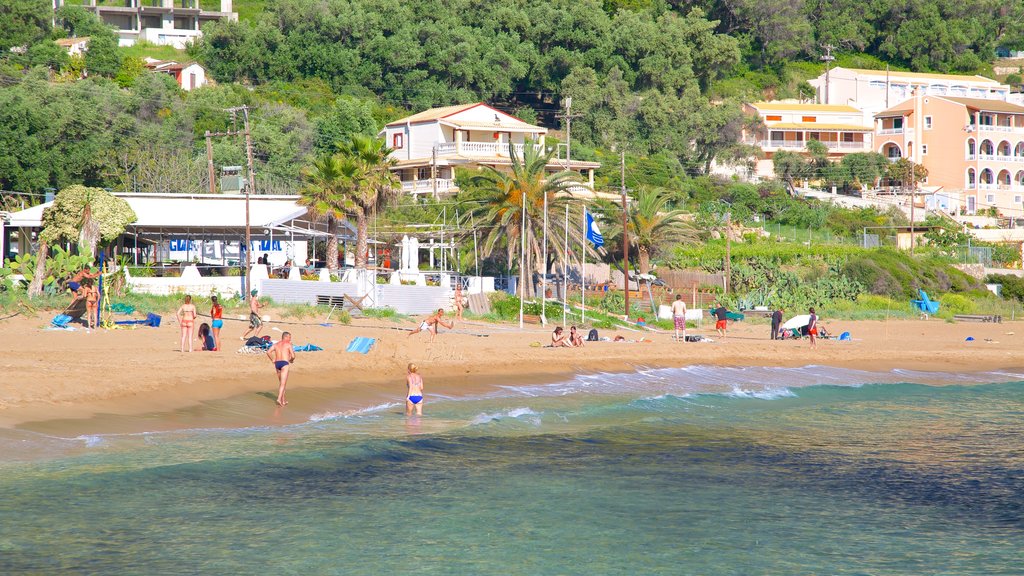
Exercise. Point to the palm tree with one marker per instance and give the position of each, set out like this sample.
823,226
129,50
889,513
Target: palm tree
323,195
502,206
373,184
652,225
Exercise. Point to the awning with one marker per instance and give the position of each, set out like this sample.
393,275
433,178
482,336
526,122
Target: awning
211,215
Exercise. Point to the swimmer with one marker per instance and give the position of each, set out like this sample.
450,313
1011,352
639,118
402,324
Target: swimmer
282,354
414,395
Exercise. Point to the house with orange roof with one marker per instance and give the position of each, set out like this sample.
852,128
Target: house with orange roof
74,46
791,125
973,149
188,75
428,146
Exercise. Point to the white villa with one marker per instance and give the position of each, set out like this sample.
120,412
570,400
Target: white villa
429,146
166,22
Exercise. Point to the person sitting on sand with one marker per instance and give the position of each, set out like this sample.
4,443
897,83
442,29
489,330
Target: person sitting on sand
430,324
558,339
255,322
282,354
575,338
414,392
206,337
186,319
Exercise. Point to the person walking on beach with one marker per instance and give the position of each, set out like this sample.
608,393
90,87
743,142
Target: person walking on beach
812,327
414,392
458,300
217,320
721,319
431,323
776,322
255,323
282,354
679,317
186,319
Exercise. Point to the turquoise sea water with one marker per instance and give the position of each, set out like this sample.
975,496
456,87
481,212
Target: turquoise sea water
684,471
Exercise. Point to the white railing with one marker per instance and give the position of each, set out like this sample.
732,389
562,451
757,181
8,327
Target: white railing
427,186
801,144
891,131
994,128
480,149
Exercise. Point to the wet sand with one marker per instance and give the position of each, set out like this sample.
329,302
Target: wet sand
70,383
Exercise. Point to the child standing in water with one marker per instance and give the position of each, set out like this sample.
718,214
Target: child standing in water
414,397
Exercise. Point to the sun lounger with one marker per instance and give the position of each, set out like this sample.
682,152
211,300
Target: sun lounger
978,318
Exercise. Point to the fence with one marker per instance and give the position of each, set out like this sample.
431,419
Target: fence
683,280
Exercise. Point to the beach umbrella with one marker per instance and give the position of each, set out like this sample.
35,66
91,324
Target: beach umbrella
797,322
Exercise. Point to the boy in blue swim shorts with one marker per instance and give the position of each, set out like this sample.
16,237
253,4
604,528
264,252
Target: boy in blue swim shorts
414,396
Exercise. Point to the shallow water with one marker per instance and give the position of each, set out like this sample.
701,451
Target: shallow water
683,471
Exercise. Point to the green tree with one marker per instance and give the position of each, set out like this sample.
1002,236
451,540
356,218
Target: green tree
24,23
329,180
653,225
500,206
374,184
346,117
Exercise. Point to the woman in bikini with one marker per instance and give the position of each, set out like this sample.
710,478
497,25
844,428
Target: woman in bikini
414,394
217,316
575,337
92,302
187,319
559,340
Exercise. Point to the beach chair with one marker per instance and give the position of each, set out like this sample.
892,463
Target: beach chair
925,305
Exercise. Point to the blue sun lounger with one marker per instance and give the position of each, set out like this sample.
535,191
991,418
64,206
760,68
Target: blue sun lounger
361,345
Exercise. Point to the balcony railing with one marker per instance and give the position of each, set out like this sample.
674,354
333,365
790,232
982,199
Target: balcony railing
480,149
426,186
801,144
995,158
891,131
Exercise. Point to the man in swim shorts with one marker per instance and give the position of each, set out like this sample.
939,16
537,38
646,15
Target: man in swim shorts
721,319
414,393
255,322
282,354
431,323
679,317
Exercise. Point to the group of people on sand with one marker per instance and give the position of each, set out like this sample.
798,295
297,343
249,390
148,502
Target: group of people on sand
559,339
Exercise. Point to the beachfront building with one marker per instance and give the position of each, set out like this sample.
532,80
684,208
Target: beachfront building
166,22
430,145
973,149
188,75
791,125
876,90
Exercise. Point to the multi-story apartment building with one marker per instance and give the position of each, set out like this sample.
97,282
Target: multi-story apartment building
791,125
876,90
166,22
429,145
973,148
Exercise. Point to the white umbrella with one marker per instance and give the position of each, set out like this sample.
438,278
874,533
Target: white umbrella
797,322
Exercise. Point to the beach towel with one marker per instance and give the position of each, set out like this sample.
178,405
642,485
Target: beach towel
361,345
61,320
122,308
307,348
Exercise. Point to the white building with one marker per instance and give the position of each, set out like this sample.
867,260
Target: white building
873,91
189,75
74,46
429,146
165,22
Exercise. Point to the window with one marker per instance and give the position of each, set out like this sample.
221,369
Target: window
897,123
423,173
398,141
924,149
773,118
878,84
990,198
808,118
927,122
1016,199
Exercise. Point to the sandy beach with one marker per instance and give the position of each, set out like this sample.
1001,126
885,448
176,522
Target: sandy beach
51,374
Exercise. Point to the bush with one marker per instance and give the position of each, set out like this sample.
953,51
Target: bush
1013,286
952,304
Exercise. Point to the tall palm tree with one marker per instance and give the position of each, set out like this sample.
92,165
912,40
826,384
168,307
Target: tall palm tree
502,206
373,186
652,225
323,195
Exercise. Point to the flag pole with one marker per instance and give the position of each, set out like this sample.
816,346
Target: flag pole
583,270
544,271
522,263
565,268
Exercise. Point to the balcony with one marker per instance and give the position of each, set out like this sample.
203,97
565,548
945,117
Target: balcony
995,158
887,131
426,186
480,149
801,144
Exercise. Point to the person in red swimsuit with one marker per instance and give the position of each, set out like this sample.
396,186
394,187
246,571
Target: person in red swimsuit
812,327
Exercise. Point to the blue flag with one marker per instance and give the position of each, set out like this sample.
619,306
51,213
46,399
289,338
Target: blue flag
593,234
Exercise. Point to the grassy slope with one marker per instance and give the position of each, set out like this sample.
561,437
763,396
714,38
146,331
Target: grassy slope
249,9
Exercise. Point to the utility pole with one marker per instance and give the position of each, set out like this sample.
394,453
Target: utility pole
568,116
728,249
209,162
827,58
625,229
248,190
